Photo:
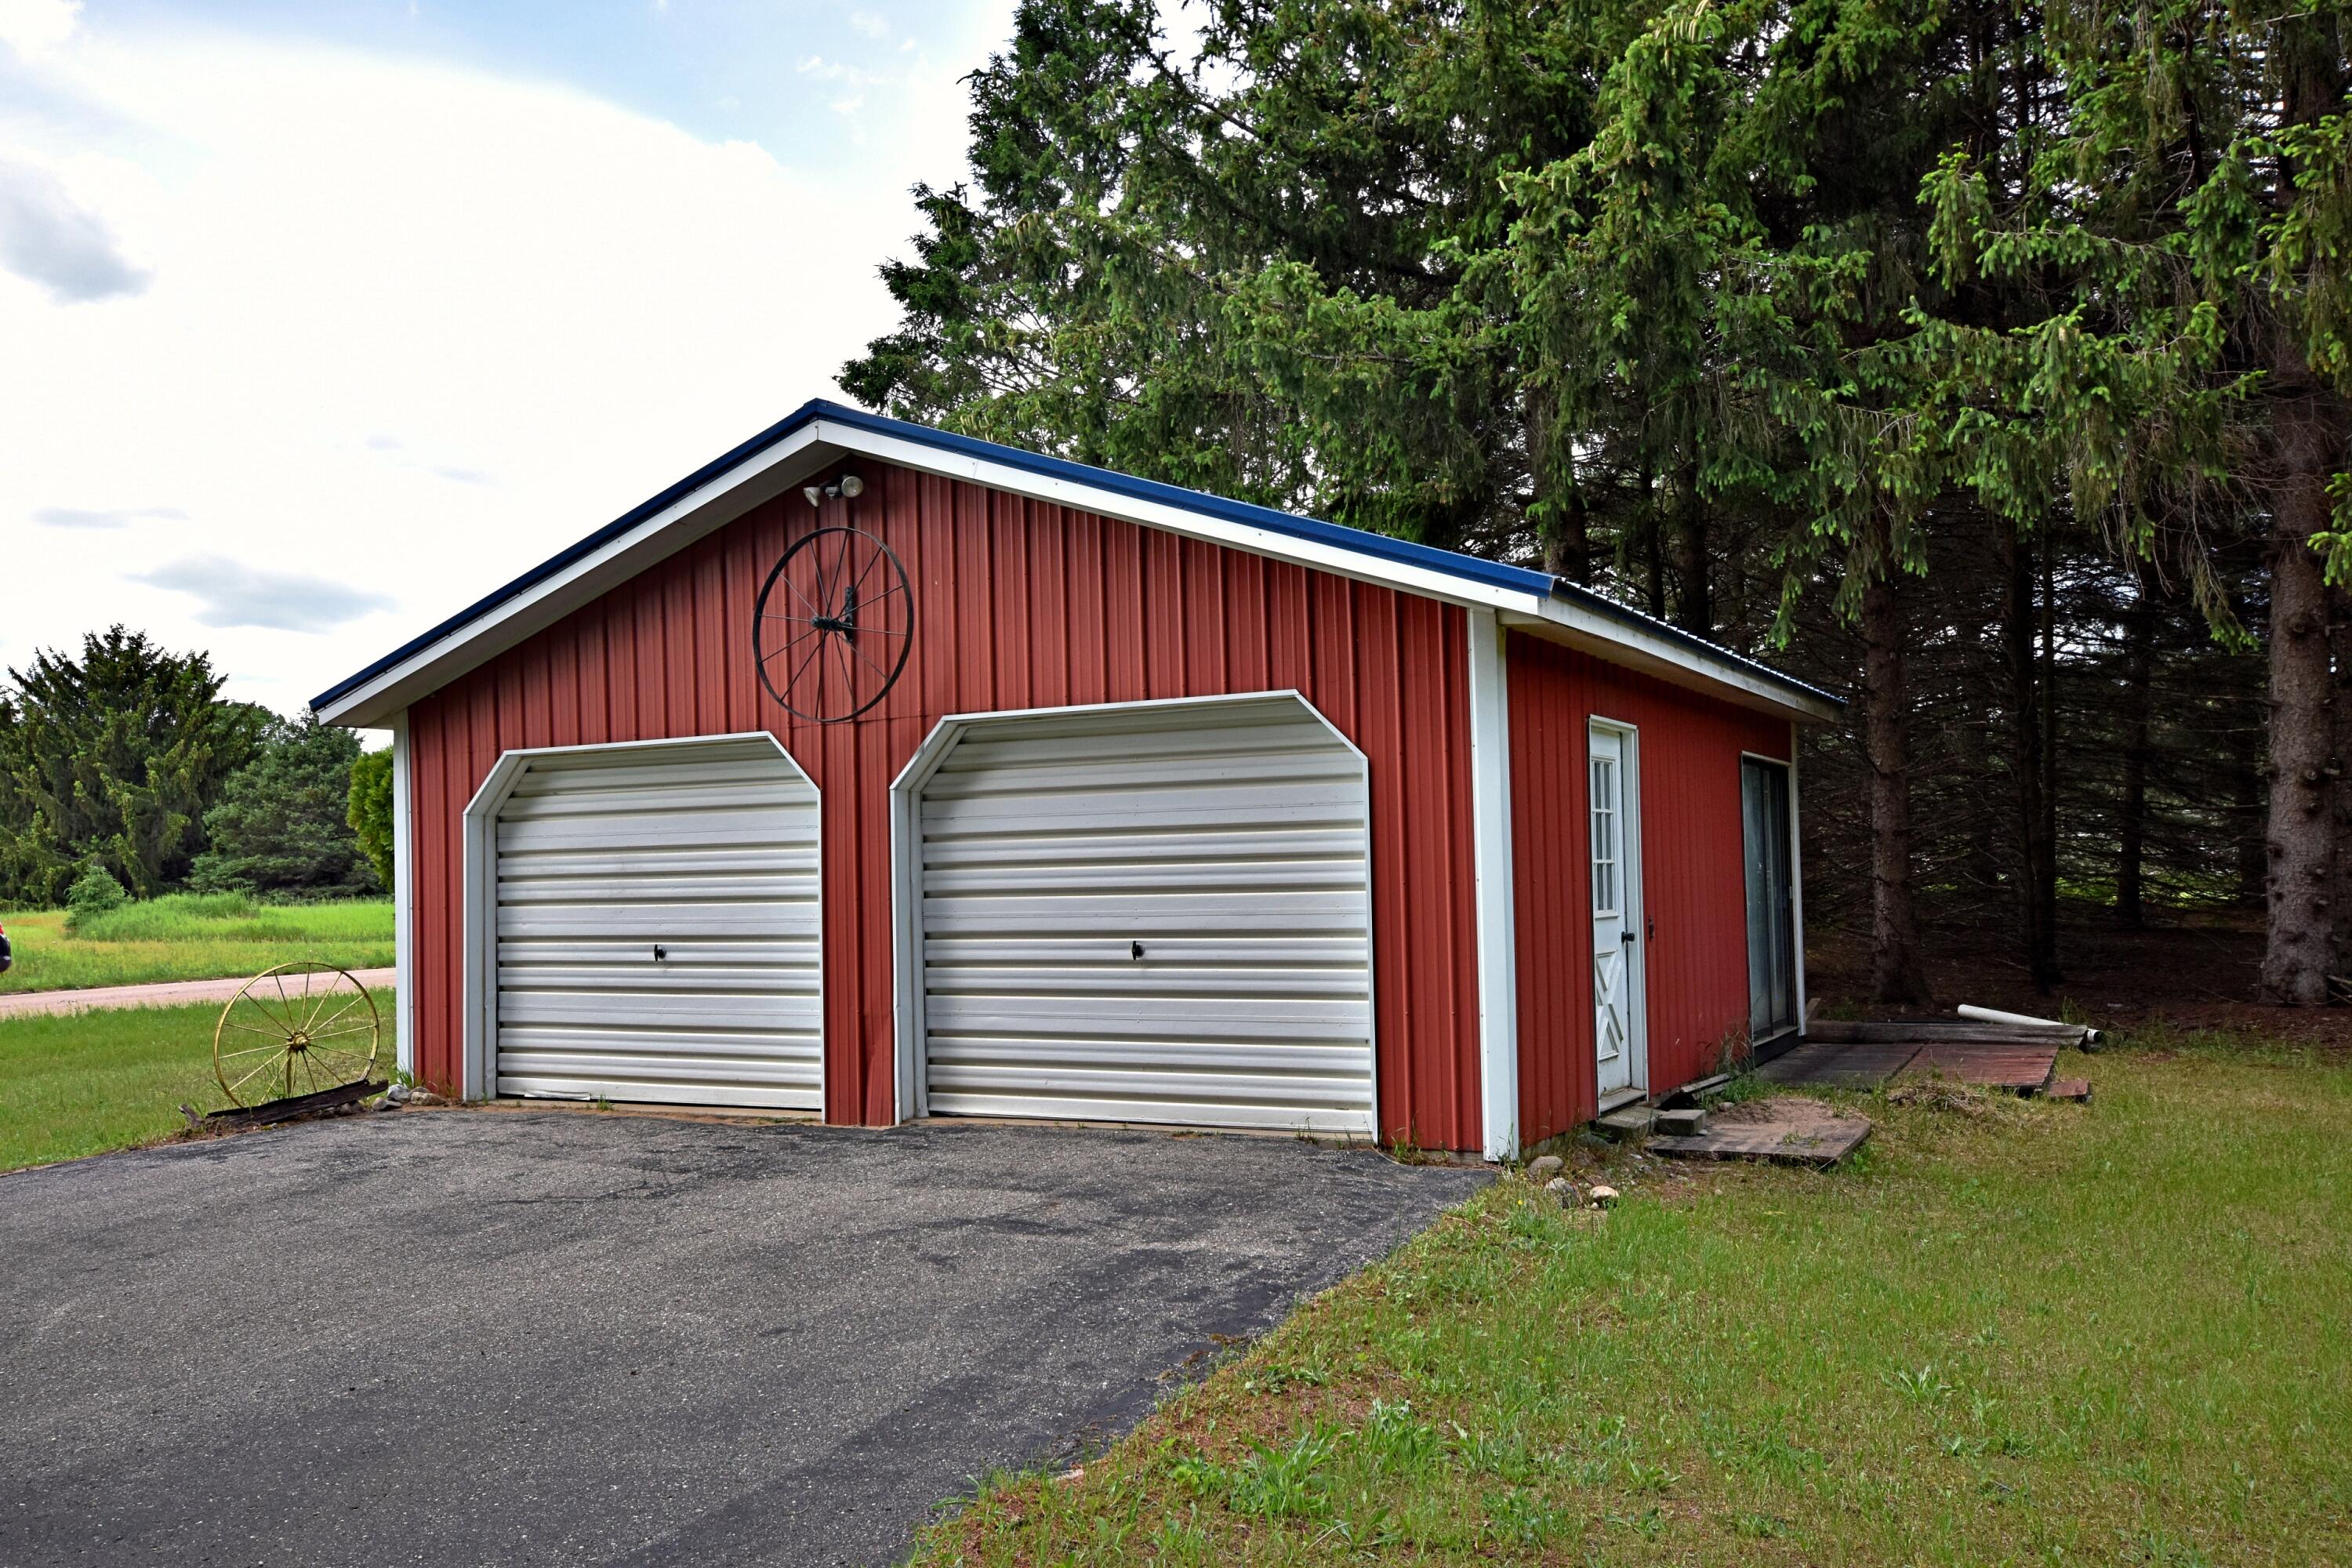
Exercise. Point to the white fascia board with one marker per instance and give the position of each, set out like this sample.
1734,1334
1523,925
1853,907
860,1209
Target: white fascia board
691,517
1565,621
1172,519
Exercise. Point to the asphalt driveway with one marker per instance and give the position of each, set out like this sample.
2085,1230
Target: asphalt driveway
449,1337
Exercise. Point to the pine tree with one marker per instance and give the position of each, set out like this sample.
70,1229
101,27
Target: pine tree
111,760
282,825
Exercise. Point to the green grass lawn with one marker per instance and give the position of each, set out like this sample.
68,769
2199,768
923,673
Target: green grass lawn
2012,1332
79,1083
192,936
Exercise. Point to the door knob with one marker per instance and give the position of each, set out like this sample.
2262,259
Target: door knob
1135,950
660,951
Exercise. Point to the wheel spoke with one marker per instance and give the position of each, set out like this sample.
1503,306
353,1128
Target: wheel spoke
867,662
249,1051
356,999
253,1029
359,1027
283,1027
259,1067
823,584
862,572
780,652
795,679
848,676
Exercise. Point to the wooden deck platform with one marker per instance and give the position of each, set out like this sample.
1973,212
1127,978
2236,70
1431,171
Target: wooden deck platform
1866,1064
1787,1129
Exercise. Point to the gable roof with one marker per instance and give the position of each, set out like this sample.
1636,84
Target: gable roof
819,433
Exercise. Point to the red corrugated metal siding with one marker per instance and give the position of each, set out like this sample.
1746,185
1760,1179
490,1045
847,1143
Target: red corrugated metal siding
1693,874
1020,605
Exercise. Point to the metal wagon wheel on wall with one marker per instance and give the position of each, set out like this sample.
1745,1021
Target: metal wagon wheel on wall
295,1029
833,624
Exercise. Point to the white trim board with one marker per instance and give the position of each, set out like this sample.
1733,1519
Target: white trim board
1492,865
404,901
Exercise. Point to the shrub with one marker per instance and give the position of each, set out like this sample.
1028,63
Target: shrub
94,892
370,812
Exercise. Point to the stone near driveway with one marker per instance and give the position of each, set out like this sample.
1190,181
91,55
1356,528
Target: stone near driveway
1543,1168
547,1337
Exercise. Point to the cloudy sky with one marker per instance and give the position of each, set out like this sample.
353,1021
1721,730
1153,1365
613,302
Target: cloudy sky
319,320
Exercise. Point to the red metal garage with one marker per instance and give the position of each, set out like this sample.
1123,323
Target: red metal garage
1159,807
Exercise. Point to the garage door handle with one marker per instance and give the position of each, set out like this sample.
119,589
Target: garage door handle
660,951
1135,949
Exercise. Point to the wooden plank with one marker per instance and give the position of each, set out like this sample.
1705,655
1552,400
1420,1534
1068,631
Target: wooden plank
1800,1133
1923,1031
2020,1070
1838,1066
286,1110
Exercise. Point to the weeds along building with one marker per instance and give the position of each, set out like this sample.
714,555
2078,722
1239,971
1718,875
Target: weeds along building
874,773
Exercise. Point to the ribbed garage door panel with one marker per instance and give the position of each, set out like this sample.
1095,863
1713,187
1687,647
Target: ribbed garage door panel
709,851
1230,841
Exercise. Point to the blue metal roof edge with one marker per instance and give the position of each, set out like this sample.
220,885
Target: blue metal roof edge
1360,542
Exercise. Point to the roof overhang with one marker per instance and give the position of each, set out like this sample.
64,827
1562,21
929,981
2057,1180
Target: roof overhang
821,435
1581,619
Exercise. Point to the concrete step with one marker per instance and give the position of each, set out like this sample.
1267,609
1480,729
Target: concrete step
1687,1122
1628,1121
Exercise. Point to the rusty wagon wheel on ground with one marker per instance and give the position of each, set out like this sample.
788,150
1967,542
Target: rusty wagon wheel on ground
295,1029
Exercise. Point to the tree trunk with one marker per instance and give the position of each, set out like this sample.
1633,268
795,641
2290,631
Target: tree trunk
2046,892
2139,684
2026,762
1694,606
2307,437
1897,969
1563,532
2299,834
2246,770
2339,891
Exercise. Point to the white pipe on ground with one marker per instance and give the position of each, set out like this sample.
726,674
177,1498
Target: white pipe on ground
2091,1036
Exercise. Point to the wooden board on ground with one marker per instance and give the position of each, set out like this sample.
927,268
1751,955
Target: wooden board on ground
1835,1065
1920,1031
1788,1131
2020,1070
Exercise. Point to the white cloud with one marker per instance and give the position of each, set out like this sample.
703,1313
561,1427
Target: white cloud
867,23
34,27
410,330
230,593
48,239
90,516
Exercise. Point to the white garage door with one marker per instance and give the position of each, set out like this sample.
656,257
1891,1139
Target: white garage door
657,927
1150,915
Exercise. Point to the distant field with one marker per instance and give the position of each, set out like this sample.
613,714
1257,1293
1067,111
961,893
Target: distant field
80,1083
192,936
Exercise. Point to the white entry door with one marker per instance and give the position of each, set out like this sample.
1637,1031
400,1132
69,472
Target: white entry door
1616,912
